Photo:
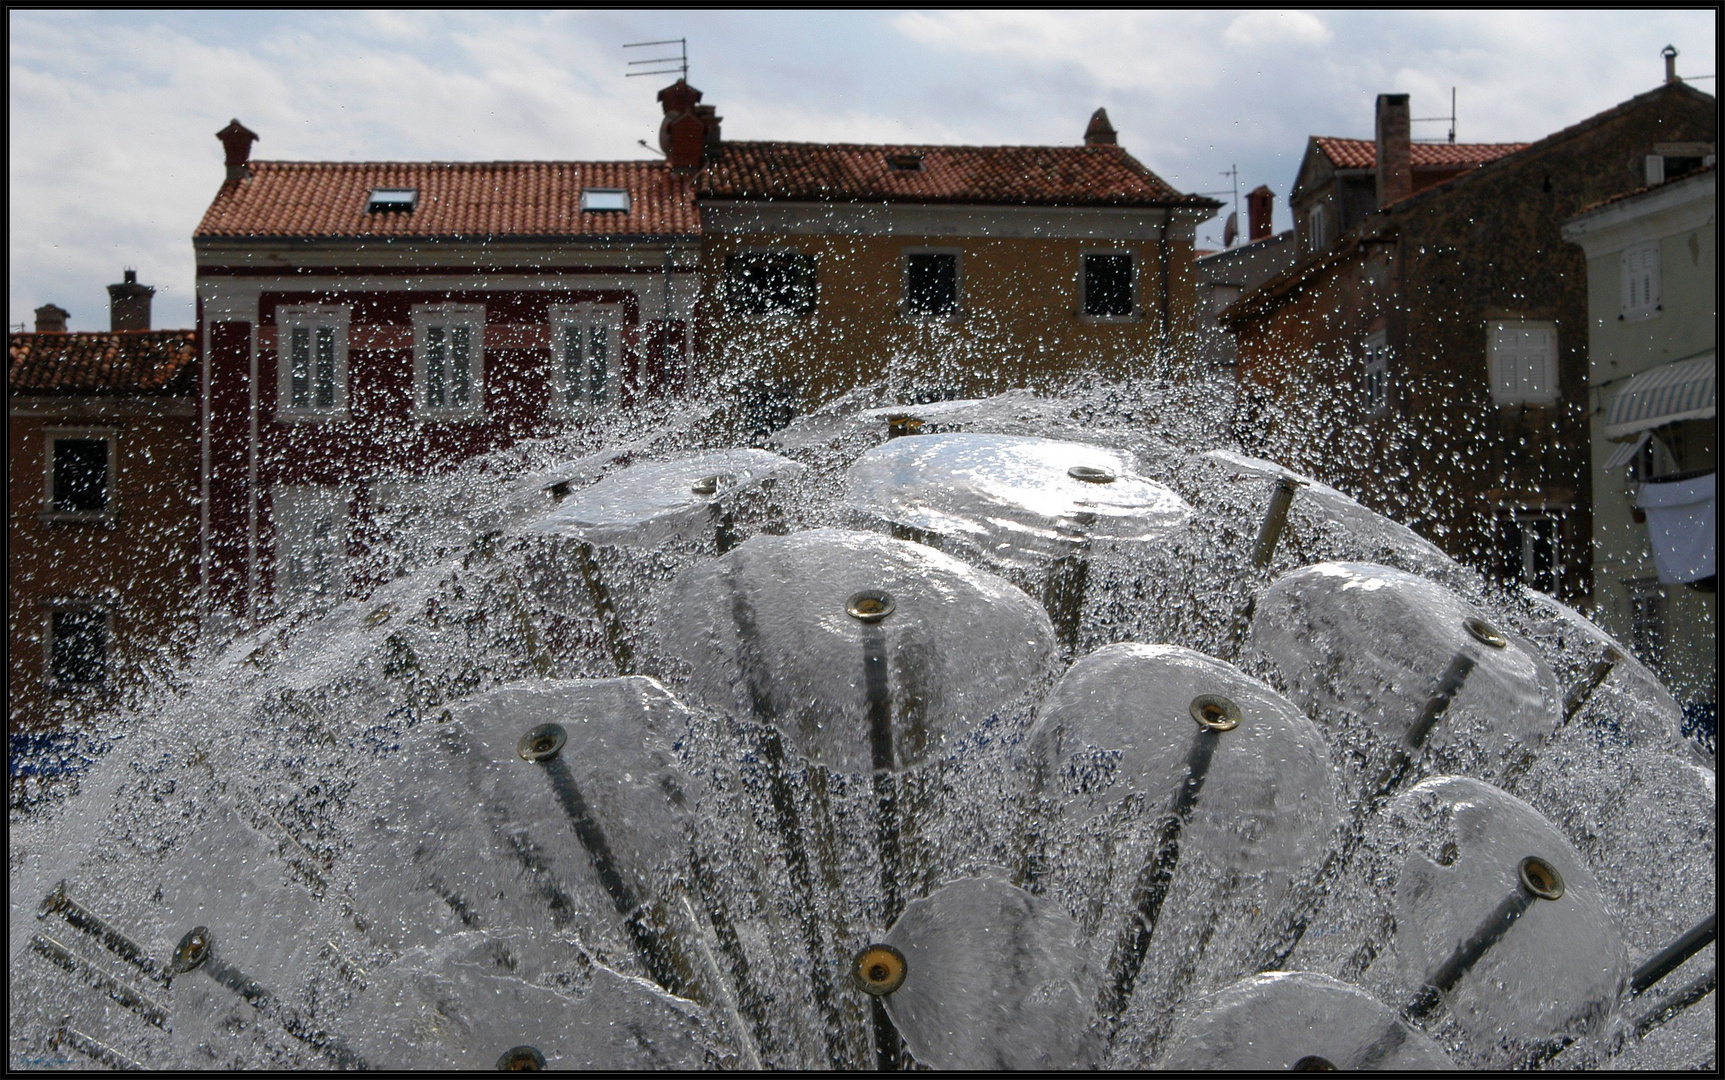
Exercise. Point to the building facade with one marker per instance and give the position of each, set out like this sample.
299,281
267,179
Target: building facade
1433,359
1653,286
102,437
366,325
940,270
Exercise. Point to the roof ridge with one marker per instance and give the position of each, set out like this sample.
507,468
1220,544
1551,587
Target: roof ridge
504,161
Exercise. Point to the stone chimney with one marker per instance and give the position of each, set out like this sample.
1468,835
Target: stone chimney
51,319
129,304
1260,201
689,128
1395,149
1100,132
1670,54
237,142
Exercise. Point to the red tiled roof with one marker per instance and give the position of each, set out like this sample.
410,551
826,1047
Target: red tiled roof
456,198
1363,153
126,362
1013,175
1591,207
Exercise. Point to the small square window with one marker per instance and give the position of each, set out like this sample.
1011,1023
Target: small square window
1108,285
930,284
771,283
392,200
77,648
81,475
604,200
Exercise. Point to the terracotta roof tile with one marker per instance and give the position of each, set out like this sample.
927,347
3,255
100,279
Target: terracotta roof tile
1363,153
478,198
1590,207
1013,175
126,362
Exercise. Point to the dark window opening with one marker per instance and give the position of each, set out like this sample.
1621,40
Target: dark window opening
771,283
1681,166
78,649
81,475
904,162
931,284
1108,284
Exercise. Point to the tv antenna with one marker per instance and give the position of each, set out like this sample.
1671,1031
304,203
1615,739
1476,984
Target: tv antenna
681,60
1450,117
1233,173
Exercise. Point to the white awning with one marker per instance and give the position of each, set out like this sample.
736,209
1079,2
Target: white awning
1626,453
1663,395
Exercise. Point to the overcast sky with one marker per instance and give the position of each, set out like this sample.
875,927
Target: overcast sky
113,113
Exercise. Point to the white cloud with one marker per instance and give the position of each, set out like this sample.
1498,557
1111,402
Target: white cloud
1260,29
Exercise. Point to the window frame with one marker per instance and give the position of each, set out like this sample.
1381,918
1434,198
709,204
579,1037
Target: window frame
427,317
1639,263
1318,226
335,588
311,317
564,316
111,487
1637,592
1376,385
953,314
1137,312
1494,361
1521,518
79,605
730,277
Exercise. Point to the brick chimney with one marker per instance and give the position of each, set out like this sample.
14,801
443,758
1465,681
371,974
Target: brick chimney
1395,149
237,142
1670,54
51,319
1100,132
129,304
688,128
1260,201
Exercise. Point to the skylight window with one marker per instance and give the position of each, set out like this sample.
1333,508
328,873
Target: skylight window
904,162
604,200
387,200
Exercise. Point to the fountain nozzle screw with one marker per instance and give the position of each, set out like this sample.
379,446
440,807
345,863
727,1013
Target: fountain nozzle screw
542,742
1541,878
879,970
521,1059
870,606
192,950
1215,712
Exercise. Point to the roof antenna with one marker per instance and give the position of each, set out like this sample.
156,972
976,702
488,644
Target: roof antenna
1450,118
681,60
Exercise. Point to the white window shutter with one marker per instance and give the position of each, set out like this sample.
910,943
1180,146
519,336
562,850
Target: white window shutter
1655,169
1538,363
1650,275
1504,378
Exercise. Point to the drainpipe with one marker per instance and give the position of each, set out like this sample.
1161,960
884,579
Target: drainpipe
1162,250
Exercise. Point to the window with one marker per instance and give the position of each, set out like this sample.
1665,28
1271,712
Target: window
448,361
1377,381
604,200
1533,547
904,162
1317,227
1523,363
1646,602
77,647
930,284
1640,279
311,362
585,352
392,200
1109,285
81,475
311,538
770,283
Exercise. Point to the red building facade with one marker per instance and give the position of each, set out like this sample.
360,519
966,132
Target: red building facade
366,325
